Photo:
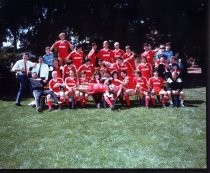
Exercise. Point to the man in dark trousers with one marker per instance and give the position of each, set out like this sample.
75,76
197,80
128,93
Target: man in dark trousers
21,68
38,91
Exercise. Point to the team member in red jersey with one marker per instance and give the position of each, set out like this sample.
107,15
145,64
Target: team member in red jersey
97,97
83,80
129,57
115,85
124,66
71,83
66,69
141,86
88,68
128,86
106,54
57,85
62,47
77,56
145,68
148,53
156,85
92,54
117,52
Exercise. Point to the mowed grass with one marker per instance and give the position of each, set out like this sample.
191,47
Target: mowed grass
100,138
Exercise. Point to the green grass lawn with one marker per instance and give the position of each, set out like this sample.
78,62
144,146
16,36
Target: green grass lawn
100,138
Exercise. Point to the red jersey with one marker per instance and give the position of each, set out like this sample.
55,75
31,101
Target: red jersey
132,61
116,83
52,82
59,73
66,70
149,55
130,83
106,55
117,53
71,82
111,67
146,70
88,69
156,83
125,66
83,81
142,81
62,48
92,56
76,58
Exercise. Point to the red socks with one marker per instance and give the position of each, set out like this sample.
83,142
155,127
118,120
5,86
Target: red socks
49,103
147,101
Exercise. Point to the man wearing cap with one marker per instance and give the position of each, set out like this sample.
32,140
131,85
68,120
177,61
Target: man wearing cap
62,47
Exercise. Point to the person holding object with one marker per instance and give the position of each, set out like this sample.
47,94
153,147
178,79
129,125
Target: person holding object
21,68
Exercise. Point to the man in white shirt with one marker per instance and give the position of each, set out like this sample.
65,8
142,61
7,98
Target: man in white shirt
21,68
41,69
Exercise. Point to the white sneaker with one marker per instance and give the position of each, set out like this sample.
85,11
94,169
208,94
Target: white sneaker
182,105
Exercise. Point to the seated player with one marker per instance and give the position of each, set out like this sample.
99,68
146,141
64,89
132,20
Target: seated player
142,87
83,80
115,86
38,90
174,86
97,97
57,85
156,85
109,94
71,83
128,87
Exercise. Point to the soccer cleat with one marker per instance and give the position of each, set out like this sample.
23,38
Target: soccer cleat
50,109
39,109
171,105
18,104
164,106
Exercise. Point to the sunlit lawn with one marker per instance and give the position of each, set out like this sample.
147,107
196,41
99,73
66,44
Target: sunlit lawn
100,138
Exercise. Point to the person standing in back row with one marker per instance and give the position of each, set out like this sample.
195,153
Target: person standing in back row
21,68
62,47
